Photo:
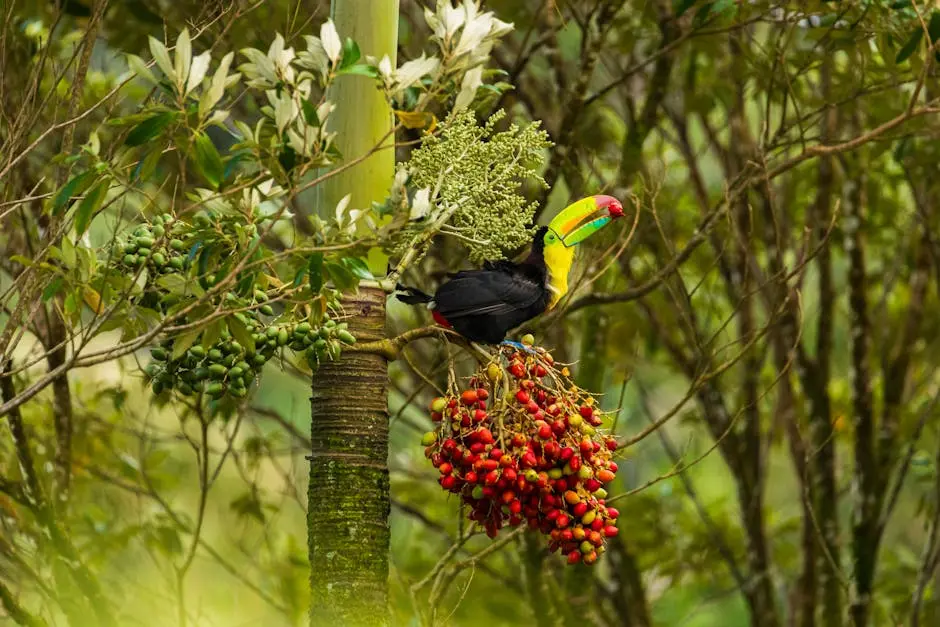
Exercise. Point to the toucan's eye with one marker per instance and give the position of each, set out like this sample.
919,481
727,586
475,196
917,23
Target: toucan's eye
550,237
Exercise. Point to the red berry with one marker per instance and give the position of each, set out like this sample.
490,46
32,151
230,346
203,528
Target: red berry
586,446
613,512
469,397
566,454
610,531
485,435
592,485
448,482
611,444
574,557
479,415
545,432
436,416
446,468
482,394
510,474
470,477
612,466
495,453
491,477
522,397
449,445
562,521
580,509
585,411
490,464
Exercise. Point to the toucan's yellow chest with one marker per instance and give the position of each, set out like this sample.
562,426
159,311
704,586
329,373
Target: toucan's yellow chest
558,260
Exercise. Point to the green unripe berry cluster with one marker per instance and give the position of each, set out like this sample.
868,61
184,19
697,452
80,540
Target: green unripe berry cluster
226,367
159,246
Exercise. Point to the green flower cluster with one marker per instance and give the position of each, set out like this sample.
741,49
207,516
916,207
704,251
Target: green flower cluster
228,366
477,172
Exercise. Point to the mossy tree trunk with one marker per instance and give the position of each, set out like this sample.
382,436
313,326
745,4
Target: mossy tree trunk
348,493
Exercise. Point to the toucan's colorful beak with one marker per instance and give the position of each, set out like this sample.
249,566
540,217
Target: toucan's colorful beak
582,219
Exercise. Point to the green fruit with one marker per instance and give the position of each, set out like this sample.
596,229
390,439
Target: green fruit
587,429
323,332
260,296
439,404
266,310
197,351
129,249
130,260
477,492
176,263
145,242
217,371
229,361
555,473
185,389
158,231
528,339
157,387
215,355
346,337
282,337
158,353
303,328
215,390
586,547
429,438
329,324
238,391
177,244
152,369
143,252
235,371
243,365
159,259
271,332
588,518
600,493
201,373
259,359
297,345
320,344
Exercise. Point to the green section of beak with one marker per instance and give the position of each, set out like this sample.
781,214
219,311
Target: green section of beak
583,232
579,221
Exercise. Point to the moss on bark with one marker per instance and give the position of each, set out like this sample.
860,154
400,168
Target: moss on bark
348,493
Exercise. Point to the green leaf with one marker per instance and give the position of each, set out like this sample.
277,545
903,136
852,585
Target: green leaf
212,334
182,343
149,129
146,166
908,49
701,16
315,272
933,27
351,54
208,160
310,113
361,70
180,285
358,267
90,205
76,186
240,332
342,278
54,287
681,6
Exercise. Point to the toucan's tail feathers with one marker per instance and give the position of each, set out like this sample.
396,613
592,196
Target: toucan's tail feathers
411,296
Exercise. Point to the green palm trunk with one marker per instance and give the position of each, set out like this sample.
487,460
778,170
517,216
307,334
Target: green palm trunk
348,493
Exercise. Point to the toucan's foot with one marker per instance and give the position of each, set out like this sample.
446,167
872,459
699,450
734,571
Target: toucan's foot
519,346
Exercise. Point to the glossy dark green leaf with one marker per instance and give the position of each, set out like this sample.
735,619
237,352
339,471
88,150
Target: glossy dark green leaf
75,186
361,70
89,206
208,160
315,272
681,6
53,288
351,54
310,113
358,267
149,129
342,279
908,48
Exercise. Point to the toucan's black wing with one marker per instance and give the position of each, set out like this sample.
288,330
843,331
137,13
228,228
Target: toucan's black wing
487,292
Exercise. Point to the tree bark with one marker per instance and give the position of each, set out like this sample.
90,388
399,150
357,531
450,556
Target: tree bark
348,493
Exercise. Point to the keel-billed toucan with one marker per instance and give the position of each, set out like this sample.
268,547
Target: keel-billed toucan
483,305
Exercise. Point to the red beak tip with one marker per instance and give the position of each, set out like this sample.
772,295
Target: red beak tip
615,209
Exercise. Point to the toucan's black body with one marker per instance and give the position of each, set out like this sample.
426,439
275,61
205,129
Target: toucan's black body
483,305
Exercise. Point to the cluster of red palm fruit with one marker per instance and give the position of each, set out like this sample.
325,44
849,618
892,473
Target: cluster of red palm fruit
521,444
